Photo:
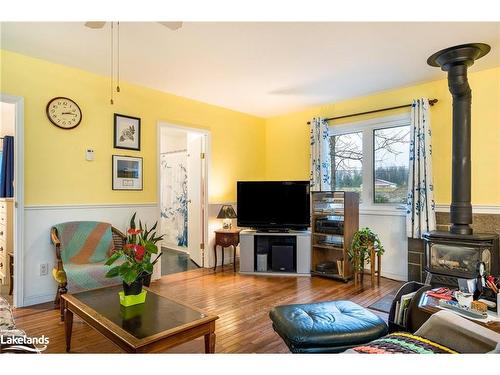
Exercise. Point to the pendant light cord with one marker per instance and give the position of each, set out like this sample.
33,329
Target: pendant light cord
118,58
111,101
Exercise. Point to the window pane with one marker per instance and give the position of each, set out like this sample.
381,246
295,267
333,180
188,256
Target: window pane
391,150
346,152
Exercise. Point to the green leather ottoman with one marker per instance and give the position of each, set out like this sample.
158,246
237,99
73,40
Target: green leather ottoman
326,327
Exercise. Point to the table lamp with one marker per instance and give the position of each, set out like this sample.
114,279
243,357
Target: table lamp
227,213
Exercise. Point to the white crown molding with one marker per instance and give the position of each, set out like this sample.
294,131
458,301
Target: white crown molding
89,206
476,208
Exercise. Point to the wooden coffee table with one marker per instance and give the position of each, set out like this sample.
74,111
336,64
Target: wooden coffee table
431,305
154,326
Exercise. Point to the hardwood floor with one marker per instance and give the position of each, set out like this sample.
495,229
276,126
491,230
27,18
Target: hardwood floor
242,303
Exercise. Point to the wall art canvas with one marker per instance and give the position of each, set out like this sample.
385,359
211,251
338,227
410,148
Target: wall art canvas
127,132
127,173
174,200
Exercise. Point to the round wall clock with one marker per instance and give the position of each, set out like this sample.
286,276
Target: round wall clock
64,113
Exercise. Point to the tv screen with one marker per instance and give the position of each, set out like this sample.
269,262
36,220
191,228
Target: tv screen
273,204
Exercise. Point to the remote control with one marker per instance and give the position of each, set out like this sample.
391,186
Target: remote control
453,305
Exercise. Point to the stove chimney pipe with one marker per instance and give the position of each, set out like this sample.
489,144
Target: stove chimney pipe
456,60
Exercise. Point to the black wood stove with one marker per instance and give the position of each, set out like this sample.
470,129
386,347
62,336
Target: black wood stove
455,254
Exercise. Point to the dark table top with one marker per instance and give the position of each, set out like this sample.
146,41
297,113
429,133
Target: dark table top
157,315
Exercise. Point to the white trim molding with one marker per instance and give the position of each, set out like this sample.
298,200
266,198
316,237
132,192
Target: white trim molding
89,206
476,208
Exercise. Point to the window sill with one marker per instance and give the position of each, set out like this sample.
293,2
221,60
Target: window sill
383,211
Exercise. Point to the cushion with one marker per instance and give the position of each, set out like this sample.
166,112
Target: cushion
84,242
402,342
82,277
326,326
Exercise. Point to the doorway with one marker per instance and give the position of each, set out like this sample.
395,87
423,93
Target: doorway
11,198
183,154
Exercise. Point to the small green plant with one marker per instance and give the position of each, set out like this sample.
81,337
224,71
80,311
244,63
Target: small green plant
139,246
362,242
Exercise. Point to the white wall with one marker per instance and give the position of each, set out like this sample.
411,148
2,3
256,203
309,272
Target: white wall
38,248
391,228
172,139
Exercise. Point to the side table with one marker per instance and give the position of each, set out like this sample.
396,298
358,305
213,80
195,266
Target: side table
226,238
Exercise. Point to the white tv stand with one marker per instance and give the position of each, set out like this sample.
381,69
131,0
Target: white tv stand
248,250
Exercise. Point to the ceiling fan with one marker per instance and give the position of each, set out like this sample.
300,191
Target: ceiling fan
100,24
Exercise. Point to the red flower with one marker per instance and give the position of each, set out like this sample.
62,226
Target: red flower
129,246
139,252
133,232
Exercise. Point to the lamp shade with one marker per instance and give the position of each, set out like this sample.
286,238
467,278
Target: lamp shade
226,212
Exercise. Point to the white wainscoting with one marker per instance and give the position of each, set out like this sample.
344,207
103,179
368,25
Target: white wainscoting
390,225
391,228
38,248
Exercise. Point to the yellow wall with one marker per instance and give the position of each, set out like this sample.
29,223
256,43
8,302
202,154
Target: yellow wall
243,146
55,168
287,137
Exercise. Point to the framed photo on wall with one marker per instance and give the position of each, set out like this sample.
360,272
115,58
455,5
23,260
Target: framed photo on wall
127,173
127,132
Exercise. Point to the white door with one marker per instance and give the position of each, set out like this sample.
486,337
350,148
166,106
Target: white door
194,196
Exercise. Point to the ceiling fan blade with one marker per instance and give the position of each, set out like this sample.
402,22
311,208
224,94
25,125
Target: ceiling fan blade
172,25
95,24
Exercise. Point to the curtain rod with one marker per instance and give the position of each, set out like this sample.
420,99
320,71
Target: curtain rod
431,103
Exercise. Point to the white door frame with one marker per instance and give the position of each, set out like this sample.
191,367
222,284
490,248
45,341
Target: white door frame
18,211
206,134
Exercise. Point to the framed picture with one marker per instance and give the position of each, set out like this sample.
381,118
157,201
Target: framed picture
127,132
127,173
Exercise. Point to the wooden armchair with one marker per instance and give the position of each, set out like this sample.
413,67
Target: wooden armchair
82,248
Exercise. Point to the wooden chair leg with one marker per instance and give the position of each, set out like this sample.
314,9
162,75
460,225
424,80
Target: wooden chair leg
59,301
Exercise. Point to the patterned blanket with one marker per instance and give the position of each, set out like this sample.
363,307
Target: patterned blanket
85,246
402,342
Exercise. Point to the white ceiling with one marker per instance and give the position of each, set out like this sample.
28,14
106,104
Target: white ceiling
260,68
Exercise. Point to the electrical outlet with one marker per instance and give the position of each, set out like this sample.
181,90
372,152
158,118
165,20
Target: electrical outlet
44,269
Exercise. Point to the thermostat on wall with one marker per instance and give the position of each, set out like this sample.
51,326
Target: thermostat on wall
89,154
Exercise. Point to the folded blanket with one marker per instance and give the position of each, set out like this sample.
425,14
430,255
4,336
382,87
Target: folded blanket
402,342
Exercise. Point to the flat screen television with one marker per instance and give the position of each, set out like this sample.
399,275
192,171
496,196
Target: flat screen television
273,205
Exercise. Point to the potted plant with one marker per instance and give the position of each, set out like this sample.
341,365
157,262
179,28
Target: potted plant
137,266
363,242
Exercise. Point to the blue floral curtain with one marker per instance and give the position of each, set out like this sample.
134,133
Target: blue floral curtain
320,156
420,212
173,198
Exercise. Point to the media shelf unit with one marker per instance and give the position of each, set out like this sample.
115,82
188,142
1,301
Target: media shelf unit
275,253
335,219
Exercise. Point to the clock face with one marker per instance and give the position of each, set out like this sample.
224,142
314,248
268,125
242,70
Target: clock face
64,113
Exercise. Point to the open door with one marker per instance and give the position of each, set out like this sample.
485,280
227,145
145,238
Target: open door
196,201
